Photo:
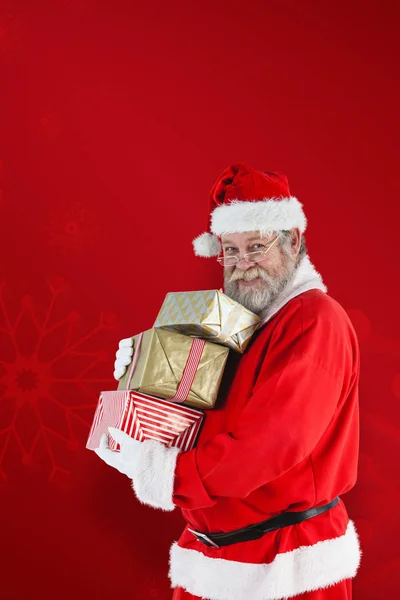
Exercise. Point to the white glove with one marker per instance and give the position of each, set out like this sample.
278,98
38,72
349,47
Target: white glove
124,461
123,357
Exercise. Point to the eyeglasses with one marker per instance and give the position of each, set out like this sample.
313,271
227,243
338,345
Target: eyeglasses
251,257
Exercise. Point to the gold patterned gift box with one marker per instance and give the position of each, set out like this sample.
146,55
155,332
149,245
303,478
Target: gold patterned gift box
176,367
210,315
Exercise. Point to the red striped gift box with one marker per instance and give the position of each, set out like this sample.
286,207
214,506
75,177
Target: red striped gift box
144,417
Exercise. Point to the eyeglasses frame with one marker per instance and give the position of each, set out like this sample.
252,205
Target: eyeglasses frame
238,259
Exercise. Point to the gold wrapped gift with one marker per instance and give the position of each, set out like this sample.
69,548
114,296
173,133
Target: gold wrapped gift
209,315
158,367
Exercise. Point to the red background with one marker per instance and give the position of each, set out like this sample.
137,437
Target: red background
116,119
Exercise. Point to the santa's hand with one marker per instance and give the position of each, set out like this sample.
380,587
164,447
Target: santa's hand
123,357
124,461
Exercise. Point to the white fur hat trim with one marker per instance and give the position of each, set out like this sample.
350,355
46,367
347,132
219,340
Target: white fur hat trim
240,216
264,215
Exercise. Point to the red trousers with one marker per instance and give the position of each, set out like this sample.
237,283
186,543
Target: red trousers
340,591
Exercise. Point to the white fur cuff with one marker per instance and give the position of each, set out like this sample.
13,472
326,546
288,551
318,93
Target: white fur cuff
153,481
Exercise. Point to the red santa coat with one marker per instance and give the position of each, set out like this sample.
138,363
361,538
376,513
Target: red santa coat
285,438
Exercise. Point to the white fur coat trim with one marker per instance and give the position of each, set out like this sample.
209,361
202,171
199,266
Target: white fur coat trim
306,277
291,573
264,215
153,481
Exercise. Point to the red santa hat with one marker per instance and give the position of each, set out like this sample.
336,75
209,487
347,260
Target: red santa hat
244,199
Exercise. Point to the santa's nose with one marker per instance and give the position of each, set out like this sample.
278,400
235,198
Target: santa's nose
244,265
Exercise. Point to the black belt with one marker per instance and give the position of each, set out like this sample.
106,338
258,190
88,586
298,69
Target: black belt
253,532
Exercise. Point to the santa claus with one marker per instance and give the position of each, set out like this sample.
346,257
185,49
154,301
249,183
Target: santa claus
261,492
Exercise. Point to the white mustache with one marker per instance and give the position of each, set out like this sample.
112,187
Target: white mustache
249,275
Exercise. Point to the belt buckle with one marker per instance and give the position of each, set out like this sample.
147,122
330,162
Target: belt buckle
203,537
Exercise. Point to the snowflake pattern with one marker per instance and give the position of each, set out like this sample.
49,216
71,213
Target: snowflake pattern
48,388
71,228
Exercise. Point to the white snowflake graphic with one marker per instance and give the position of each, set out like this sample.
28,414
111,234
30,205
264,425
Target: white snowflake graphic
50,377
71,227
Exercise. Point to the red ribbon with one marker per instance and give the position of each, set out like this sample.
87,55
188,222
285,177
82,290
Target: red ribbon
190,370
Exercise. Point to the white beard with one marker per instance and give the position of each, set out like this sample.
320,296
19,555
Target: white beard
258,300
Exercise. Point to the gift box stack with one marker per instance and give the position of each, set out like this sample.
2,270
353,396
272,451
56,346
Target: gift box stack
176,370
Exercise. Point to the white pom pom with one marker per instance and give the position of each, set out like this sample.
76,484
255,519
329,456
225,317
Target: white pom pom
207,245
